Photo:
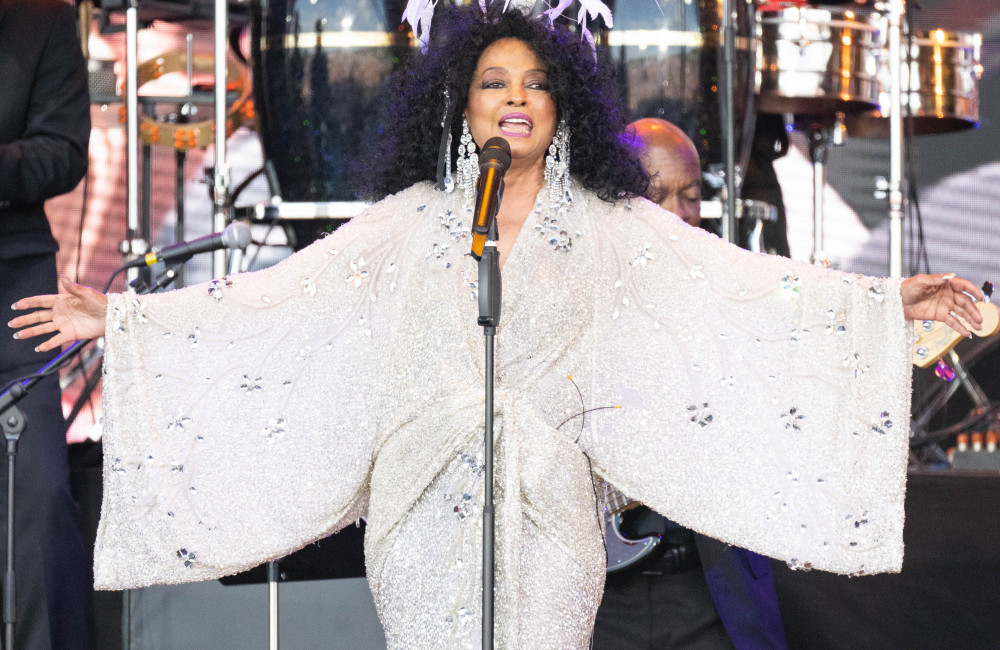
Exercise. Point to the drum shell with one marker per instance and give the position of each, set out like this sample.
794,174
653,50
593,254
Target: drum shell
819,60
319,70
669,59
940,85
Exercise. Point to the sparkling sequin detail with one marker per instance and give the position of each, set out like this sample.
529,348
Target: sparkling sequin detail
376,380
215,287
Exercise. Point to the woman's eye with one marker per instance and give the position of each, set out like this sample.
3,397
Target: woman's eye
492,84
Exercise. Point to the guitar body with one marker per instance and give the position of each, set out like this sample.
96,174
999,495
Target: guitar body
935,339
622,551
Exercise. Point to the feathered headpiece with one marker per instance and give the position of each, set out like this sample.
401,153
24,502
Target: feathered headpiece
419,14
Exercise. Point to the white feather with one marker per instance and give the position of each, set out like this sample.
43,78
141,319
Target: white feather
419,14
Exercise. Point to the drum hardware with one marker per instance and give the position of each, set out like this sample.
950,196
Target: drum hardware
822,136
757,211
816,65
266,212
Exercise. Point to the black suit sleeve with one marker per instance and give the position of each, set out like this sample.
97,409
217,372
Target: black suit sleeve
50,158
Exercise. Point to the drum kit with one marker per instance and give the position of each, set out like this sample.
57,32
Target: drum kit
319,71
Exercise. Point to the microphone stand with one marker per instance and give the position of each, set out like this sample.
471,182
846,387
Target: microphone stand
489,318
12,421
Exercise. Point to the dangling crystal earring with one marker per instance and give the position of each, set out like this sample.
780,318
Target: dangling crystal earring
557,168
467,166
446,182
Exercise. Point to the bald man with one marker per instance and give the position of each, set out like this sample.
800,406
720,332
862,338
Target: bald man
674,167
692,592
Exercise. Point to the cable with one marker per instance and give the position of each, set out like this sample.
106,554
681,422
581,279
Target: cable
83,219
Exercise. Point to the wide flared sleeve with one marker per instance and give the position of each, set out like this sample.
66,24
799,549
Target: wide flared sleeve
242,416
763,402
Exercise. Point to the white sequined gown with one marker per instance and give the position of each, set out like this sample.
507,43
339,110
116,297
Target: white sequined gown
757,400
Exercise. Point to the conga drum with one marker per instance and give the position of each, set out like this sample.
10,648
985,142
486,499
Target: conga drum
669,58
319,68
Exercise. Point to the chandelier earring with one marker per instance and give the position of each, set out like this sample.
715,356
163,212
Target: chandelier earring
467,166
557,168
445,181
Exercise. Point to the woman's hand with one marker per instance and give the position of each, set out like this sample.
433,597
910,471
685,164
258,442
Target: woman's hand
941,298
75,313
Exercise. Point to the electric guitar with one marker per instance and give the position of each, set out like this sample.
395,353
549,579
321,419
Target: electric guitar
934,339
622,551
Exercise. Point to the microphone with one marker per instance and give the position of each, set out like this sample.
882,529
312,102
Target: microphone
236,235
494,160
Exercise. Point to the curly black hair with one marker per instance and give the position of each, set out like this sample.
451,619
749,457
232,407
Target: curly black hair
602,160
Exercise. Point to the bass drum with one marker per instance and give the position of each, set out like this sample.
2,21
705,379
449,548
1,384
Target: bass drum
319,68
669,58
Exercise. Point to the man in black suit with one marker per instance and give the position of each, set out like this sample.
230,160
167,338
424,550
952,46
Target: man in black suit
692,591
44,133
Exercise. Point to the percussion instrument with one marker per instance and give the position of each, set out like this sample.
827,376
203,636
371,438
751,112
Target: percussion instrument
318,70
181,135
940,76
819,60
670,62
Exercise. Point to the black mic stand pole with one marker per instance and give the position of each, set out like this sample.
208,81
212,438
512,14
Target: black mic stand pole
489,318
12,422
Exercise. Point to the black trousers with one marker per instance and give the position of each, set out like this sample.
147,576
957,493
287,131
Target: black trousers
656,612
51,598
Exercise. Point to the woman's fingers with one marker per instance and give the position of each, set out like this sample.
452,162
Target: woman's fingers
966,308
34,302
71,287
40,316
37,330
956,325
56,341
964,286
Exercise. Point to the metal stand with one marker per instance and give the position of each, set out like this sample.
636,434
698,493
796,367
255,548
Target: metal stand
896,10
489,318
135,244
729,230
821,138
220,185
12,420
273,576
13,423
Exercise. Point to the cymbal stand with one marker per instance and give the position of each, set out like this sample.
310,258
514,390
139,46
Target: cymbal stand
135,244
895,32
729,230
221,180
821,137
180,156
